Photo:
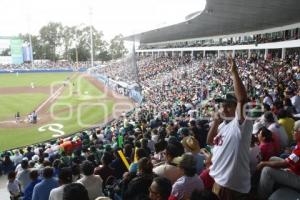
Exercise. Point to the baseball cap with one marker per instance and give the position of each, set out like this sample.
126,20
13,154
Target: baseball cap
228,98
255,113
256,127
186,161
268,117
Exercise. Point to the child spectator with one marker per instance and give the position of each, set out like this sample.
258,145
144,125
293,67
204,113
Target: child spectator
266,144
13,186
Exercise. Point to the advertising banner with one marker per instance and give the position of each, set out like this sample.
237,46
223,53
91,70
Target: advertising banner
16,51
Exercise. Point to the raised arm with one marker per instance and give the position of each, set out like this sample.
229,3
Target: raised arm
239,89
213,131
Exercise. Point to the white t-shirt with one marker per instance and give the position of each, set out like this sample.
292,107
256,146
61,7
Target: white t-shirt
268,100
13,188
57,193
277,129
93,185
23,178
296,102
230,155
17,159
168,171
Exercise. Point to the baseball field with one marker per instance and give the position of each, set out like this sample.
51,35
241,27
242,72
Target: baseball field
64,102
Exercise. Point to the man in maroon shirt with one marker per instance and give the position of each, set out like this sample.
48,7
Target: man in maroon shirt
283,172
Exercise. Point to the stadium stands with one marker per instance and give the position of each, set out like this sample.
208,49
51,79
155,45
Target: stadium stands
211,126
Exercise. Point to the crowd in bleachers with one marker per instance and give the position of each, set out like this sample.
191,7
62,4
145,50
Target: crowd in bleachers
292,34
44,65
174,145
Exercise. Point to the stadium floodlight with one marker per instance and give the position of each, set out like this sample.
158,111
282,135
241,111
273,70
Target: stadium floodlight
77,28
30,42
91,35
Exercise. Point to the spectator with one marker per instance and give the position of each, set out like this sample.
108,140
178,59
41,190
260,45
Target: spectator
183,187
288,107
287,123
266,144
255,154
231,139
278,131
169,169
64,178
29,153
160,189
273,174
7,165
191,145
75,191
41,191
93,183
140,153
105,170
29,189
267,98
138,186
17,158
23,176
13,186
118,165
207,180
296,101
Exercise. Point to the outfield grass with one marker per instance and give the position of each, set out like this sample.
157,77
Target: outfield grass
85,112
13,138
39,79
24,103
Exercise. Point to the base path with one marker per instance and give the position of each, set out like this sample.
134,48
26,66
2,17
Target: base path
24,90
121,104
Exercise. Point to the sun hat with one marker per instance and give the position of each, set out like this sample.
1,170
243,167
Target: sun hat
191,144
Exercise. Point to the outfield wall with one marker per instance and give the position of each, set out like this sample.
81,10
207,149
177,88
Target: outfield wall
121,87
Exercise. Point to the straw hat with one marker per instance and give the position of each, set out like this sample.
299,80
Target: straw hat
191,144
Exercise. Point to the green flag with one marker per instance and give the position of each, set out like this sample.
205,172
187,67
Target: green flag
120,141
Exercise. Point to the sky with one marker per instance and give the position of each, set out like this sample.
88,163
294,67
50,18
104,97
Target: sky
110,16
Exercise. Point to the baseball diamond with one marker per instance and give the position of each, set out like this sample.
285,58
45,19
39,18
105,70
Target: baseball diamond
74,100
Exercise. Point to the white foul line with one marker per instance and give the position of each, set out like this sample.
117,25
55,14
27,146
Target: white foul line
52,97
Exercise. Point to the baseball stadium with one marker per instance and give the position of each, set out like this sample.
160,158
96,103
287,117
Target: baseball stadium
69,100
206,108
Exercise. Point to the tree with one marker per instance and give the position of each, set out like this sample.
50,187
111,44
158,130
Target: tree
56,41
51,36
84,44
5,52
104,56
117,48
68,40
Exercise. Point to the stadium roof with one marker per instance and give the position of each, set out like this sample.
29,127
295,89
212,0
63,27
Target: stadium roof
223,17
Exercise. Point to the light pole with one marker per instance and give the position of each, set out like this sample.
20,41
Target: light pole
91,37
30,42
77,28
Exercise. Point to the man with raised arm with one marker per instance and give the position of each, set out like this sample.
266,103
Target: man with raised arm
230,136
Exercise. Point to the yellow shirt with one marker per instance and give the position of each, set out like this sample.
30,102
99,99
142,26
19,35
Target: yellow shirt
288,125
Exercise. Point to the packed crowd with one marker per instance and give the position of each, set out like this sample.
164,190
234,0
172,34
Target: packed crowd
45,65
251,39
195,136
